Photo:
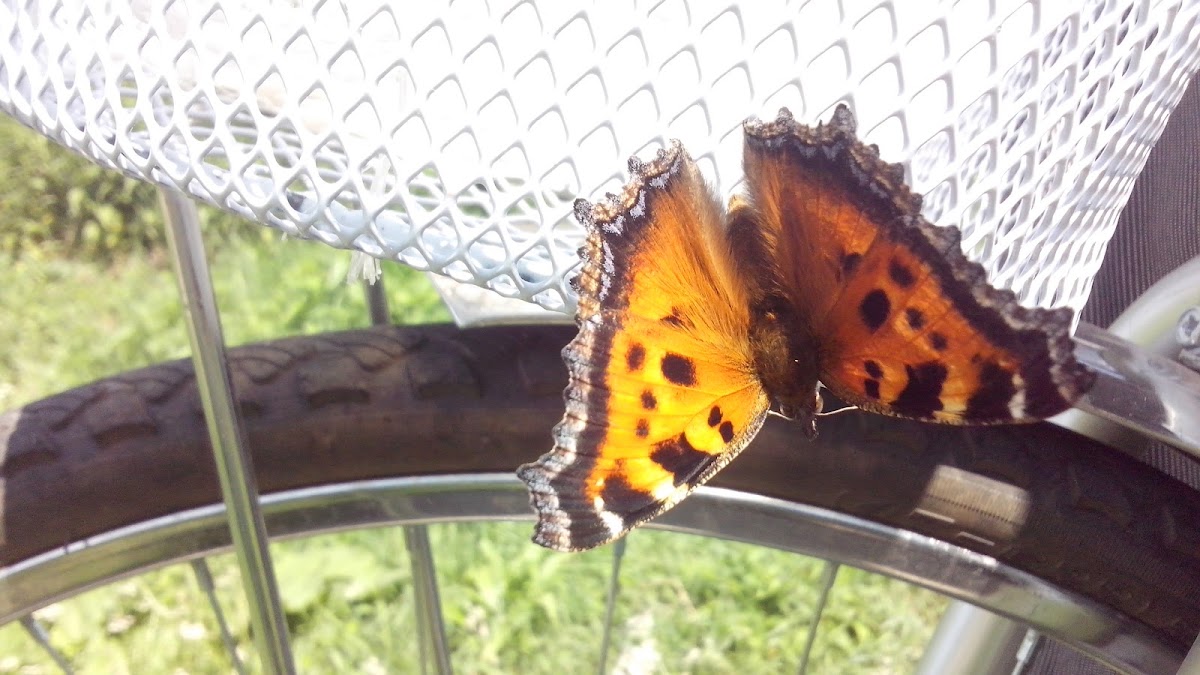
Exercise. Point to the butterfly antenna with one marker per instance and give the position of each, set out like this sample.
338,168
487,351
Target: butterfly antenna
830,413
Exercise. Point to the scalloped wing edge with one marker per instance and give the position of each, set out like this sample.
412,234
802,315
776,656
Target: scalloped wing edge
619,218
884,183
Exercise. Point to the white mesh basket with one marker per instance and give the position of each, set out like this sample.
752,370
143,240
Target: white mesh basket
453,136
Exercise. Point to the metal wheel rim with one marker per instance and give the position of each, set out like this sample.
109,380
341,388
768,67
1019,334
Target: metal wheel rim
939,566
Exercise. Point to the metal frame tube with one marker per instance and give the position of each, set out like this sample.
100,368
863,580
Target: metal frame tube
972,640
234,467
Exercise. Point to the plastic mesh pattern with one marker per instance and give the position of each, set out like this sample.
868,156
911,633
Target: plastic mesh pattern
453,136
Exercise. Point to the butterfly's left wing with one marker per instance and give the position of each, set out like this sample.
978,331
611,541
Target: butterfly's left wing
903,322
663,390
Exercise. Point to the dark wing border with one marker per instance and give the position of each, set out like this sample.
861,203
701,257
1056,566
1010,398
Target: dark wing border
1040,337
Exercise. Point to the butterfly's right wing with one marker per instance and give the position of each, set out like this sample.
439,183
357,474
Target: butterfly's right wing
663,390
903,323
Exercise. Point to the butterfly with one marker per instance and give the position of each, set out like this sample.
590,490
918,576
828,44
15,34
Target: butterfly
695,322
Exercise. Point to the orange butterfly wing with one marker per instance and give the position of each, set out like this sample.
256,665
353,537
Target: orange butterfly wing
903,323
692,322
663,391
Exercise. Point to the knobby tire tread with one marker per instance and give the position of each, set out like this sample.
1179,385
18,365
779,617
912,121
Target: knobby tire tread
394,401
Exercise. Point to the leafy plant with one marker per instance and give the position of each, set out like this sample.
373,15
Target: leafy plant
56,203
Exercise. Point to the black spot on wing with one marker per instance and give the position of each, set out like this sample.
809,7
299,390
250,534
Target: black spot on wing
648,400
676,318
922,395
938,341
726,431
1043,397
1039,339
679,458
871,387
872,368
915,318
679,370
850,263
714,416
643,428
995,393
621,497
874,309
635,357
900,273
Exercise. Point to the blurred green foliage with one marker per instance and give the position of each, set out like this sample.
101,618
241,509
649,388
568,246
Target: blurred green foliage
86,292
56,203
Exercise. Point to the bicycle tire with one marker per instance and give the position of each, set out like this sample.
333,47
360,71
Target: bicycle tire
405,401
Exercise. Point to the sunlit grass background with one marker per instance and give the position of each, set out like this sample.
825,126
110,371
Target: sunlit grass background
86,291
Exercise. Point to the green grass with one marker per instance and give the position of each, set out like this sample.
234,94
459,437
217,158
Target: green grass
68,322
687,604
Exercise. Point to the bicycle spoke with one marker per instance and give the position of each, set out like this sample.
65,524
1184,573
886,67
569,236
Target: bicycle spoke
610,604
40,636
429,602
828,576
205,581
234,467
431,628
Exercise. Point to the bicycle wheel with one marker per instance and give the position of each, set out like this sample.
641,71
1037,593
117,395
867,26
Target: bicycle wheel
437,409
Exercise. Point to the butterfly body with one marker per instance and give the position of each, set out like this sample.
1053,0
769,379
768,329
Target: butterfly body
695,321
787,361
